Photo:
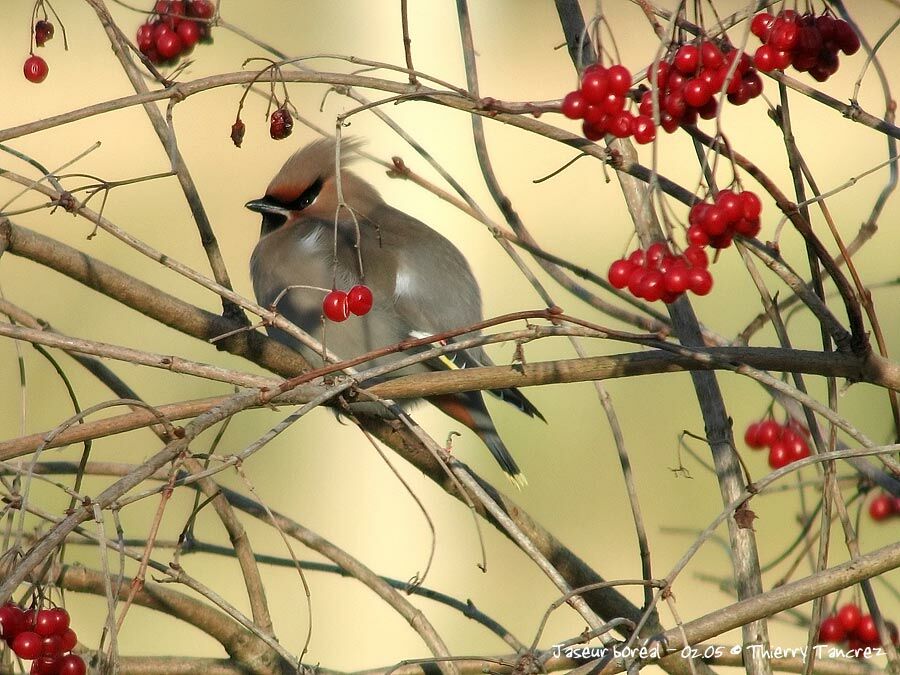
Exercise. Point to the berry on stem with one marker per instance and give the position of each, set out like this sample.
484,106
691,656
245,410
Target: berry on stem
35,69
831,630
27,645
43,32
335,306
849,615
359,300
72,664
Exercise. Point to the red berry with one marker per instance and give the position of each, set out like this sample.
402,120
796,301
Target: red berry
674,104
35,69
696,236
593,114
655,254
845,37
782,59
619,272
741,96
281,124
825,24
69,640
643,129
752,206
831,630
43,31
697,212
751,436
709,109
144,38
696,256
697,92
675,280
27,645
651,286
784,35
160,28
637,257
595,84
46,665
721,241
359,300
731,205
634,280
714,221
51,645
169,45
714,77
711,57
809,41
849,615
668,122
747,227
574,105
620,125
72,664
335,306
661,80
237,132
700,281
645,107
619,79
761,25
796,446
12,620
769,432
753,83
687,59
201,9
45,622
779,455
881,507
867,631
189,32
765,58
613,104
593,132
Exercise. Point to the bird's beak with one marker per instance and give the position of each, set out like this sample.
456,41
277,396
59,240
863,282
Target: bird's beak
266,205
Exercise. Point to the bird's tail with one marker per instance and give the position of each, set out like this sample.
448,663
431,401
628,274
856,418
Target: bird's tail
468,408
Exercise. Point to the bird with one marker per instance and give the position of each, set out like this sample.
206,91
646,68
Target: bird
421,283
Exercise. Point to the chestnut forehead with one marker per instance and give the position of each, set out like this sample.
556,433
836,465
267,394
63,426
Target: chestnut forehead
285,193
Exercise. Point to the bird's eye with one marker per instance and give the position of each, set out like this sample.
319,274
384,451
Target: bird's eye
307,197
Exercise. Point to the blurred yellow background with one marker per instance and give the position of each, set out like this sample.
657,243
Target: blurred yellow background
324,474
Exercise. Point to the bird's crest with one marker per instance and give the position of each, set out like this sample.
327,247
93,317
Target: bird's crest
310,163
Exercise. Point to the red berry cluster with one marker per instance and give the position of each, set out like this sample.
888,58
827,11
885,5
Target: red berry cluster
339,305
807,42
884,506
858,630
715,224
180,24
786,442
35,69
281,124
685,87
658,274
600,102
42,637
